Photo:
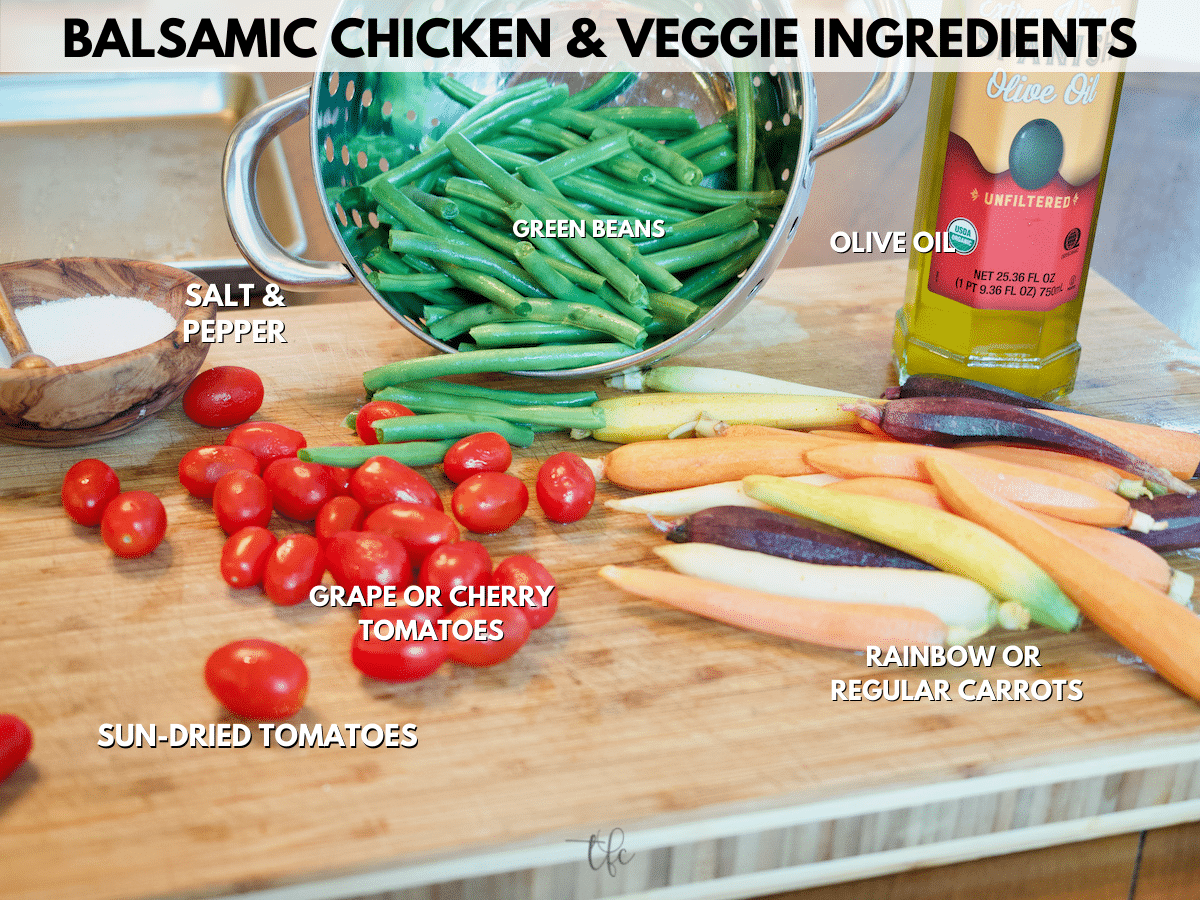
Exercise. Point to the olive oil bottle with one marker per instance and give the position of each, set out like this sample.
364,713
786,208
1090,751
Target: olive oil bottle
1011,177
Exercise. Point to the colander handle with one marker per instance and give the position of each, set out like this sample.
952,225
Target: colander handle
883,95
240,175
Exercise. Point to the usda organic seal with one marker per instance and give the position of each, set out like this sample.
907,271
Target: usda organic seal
962,235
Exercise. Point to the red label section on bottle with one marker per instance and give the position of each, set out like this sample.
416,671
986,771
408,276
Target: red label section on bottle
1015,249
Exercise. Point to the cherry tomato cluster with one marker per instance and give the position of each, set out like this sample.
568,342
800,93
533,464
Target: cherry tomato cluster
132,523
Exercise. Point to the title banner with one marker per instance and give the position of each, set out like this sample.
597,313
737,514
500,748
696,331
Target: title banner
649,36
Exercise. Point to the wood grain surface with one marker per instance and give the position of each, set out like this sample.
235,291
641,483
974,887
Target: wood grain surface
617,714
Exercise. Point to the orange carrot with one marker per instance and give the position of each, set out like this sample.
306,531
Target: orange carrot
1146,621
1098,473
769,431
846,435
691,462
1036,489
847,626
1176,451
1132,557
896,488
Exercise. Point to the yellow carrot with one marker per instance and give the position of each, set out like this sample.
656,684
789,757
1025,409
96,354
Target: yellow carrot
846,626
1146,621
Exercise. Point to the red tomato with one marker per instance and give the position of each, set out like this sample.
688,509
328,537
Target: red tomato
133,524
374,411
16,740
490,502
566,488
461,564
294,568
267,441
241,498
419,528
339,514
362,559
87,488
525,571
341,480
299,489
202,468
223,396
483,647
483,452
257,679
397,661
382,480
244,556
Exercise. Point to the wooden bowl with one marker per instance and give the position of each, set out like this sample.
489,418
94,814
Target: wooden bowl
65,406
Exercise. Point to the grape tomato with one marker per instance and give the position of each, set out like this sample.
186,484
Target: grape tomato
421,529
202,468
223,396
382,480
87,488
496,634
362,559
337,515
16,740
525,571
483,452
397,661
241,498
267,441
257,679
371,413
299,489
133,524
244,556
294,568
490,502
566,488
461,564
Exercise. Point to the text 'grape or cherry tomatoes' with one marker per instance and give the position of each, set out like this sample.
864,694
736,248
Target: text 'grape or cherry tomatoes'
87,488
382,480
483,452
202,468
294,568
16,740
241,498
299,489
397,661
495,635
244,556
268,441
257,679
223,396
362,559
133,524
566,488
364,422
490,502
525,571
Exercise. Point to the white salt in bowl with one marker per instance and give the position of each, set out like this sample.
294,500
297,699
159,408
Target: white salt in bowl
86,402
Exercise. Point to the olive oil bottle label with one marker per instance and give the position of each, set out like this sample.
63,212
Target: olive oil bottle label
1023,164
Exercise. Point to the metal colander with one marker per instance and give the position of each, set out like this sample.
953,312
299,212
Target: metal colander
346,108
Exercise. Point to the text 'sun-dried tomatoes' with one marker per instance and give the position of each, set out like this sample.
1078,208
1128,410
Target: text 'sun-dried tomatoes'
223,396
87,488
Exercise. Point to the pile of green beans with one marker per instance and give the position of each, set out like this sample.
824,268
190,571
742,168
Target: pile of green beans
445,255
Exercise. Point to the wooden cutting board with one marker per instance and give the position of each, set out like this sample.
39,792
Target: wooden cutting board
718,754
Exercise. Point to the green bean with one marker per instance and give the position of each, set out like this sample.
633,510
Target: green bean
462,321
706,279
715,197
668,118
456,90
618,274
486,124
680,167
475,192
517,398
716,159
552,247
555,283
616,200
583,157
440,207
414,453
708,138
481,215
408,305
526,333
549,133
487,287
460,254
414,282
519,143
443,426
561,312
586,417
710,224
505,243
674,311
625,165
497,101
607,86
386,261
547,358
743,89
702,253
716,295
